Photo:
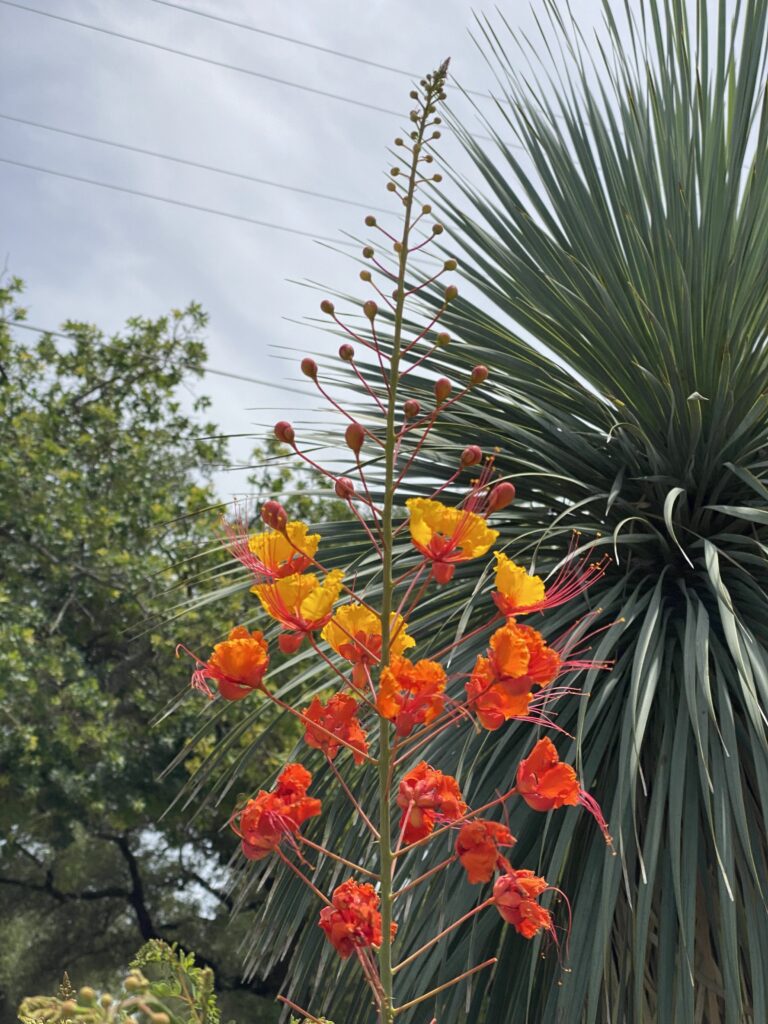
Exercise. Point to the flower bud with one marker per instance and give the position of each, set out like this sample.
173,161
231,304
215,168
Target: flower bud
346,352
442,390
411,408
394,171
274,515
443,339
159,1018
354,436
370,220
503,494
86,996
413,94
471,455
327,306
451,292
437,177
437,229
399,141
131,984
106,1000
370,309
368,252
391,186
435,135
309,368
450,265
289,643
365,275
479,374
284,432
426,209
345,488
67,1007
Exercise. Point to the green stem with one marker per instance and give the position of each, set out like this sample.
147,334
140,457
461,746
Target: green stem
386,854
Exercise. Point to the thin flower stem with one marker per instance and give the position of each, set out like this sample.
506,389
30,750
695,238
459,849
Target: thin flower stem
425,739
457,821
448,984
347,683
303,877
301,1012
335,856
425,876
356,805
367,386
441,935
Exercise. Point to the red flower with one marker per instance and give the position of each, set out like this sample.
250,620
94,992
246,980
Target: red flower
501,685
411,694
237,664
353,921
478,845
426,796
337,716
269,817
545,783
515,896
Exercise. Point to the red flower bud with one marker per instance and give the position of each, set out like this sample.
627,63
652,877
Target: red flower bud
274,515
370,309
309,368
346,352
471,455
345,488
327,306
451,292
284,432
354,436
442,389
478,375
411,408
503,494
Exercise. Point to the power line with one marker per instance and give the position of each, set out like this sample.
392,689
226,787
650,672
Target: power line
68,337
201,59
188,163
174,202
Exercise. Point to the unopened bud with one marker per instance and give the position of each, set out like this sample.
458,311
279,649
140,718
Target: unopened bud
86,996
391,186
411,408
398,246
159,1018
435,135
309,368
370,220
274,515
399,141
437,229
368,252
69,1006
365,275
442,389
437,177
327,306
451,292
131,984
345,488
370,309
450,265
284,432
471,455
354,436
413,94
346,352
443,339
503,494
426,209
395,171
478,375
106,1000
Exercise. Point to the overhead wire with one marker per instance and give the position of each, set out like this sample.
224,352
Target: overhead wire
186,162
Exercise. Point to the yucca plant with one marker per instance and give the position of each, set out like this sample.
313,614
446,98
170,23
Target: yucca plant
624,284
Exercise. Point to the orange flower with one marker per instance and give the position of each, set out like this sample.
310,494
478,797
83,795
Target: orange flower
269,817
411,694
354,632
426,796
501,685
515,896
447,535
301,604
237,664
478,845
354,920
337,716
545,783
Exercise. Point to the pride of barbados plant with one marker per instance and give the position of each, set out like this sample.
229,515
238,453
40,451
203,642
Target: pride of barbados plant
388,700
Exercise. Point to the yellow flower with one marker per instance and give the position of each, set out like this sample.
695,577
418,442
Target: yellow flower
517,590
284,554
448,535
300,603
354,632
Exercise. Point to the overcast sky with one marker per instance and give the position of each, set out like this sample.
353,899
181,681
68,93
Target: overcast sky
98,255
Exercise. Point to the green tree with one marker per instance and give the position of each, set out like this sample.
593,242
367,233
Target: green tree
106,538
621,264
